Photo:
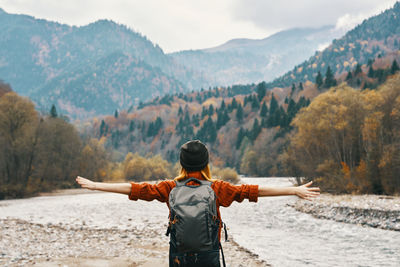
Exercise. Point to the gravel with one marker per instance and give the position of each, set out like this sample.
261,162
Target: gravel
25,243
370,210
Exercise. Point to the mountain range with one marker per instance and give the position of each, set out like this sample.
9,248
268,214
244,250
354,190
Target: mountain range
102,67
46,60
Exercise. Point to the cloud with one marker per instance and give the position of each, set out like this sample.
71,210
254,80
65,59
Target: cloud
322,46
285,14
172,24
193,24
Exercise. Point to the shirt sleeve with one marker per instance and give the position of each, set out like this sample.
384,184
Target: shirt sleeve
149,192
227,192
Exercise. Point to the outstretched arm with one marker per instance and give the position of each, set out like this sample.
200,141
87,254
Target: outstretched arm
303,191
122,188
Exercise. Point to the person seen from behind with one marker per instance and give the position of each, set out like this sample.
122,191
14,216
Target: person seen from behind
194,199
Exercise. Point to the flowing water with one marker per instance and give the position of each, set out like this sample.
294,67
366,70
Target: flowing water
270,228
285,237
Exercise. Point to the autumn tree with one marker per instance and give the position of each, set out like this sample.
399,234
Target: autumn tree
347,139
18,138
138,168
93,160
57,154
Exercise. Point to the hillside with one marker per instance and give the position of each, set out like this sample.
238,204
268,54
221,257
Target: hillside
373,38
98,89
241,61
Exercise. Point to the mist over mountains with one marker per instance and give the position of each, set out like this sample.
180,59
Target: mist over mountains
245,61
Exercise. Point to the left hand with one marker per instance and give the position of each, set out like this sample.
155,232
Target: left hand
306,192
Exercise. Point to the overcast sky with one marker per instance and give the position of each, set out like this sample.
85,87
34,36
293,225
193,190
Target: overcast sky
193,24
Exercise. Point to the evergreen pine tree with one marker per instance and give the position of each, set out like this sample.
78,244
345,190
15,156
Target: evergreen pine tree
234,104
131,126
245,100
263,123
210,110
226,117
261,90
204,112
255,105
239,113
158,124
211,130
358,70
370,62
286,100
284,118
115,136
349,76
329,78
273,105
264,110
319,80
240,136
180,111
103,128
292,109
371,72
220,120
186,120
179,126
150,130
223,106
395,67
53,112
116,114
301,86
255,131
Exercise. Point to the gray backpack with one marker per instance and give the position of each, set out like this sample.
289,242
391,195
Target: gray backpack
193,225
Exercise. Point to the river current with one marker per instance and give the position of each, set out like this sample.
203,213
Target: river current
270,228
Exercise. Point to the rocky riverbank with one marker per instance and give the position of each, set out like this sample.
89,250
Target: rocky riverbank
370,210
24,243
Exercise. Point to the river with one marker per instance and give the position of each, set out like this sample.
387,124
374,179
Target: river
270,228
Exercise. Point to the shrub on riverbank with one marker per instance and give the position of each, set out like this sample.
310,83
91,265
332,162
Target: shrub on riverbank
225,174
348,140
138,168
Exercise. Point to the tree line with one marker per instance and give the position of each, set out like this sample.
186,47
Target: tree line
348,140
42,152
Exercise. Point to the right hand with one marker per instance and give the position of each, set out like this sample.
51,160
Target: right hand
86,183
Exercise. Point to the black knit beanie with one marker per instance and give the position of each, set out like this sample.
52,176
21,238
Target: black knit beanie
194,156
